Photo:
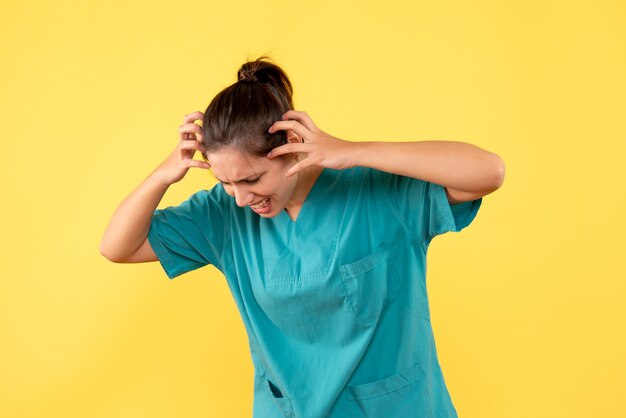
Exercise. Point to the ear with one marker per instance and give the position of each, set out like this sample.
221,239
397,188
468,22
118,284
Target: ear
292,137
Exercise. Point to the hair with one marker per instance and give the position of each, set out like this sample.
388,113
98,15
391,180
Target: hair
240,115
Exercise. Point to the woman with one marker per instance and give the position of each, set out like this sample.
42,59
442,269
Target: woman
323,244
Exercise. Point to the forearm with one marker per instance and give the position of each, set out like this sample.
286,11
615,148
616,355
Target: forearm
130,223
453,164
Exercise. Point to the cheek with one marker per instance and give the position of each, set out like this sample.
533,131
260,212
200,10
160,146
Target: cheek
271,185
283,185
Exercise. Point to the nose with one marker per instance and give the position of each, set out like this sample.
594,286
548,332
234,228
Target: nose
243,197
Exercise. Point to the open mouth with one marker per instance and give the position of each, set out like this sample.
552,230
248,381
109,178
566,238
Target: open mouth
262,206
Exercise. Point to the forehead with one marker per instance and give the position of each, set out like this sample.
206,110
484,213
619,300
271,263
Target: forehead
232,164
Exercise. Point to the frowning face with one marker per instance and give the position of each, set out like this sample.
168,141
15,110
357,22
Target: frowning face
257,182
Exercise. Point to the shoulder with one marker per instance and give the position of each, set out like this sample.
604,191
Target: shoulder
211,200
360,174
383,179
368,183
214,195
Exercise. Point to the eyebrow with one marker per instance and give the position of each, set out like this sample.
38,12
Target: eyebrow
242,179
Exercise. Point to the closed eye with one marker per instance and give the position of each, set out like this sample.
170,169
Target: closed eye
250,181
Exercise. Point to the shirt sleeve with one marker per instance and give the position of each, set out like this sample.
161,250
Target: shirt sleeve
423,206
192,234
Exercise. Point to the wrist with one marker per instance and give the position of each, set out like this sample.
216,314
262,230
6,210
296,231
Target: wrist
361,153
156,179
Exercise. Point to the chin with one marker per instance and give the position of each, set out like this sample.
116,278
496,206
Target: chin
272,214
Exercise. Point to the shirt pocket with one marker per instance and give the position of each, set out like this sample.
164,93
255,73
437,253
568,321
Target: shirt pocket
370,283
283,402
404,394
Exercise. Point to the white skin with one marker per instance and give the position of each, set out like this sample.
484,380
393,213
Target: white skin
251,179
285,179
465,170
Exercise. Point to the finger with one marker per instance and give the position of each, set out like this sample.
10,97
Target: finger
190,127
199,164
192,130
191,145
288,148
193,116
307,162
194,145
301,117
290,124
189,136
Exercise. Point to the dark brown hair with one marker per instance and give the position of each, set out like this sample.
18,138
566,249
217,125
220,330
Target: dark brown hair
240,115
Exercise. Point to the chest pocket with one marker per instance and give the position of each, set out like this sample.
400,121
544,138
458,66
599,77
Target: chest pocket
370,283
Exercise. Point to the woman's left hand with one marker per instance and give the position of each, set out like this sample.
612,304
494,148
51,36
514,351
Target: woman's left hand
321,148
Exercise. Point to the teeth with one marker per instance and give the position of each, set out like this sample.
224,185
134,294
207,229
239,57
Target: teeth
262,204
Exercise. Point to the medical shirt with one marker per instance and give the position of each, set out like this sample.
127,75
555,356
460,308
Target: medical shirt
334,304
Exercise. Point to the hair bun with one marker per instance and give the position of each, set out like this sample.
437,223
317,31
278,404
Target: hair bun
246,75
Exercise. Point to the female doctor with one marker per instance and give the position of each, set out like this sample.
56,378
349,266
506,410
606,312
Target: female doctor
322,242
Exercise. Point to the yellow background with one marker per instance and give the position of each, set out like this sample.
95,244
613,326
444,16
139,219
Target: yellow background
528,302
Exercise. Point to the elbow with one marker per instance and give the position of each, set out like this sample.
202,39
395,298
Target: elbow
499,172
106,253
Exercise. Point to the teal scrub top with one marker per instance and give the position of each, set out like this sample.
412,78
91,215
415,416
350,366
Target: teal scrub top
334,304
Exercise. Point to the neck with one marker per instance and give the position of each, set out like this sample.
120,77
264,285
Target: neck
305,182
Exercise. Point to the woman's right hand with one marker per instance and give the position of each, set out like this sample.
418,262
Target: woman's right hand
174,168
